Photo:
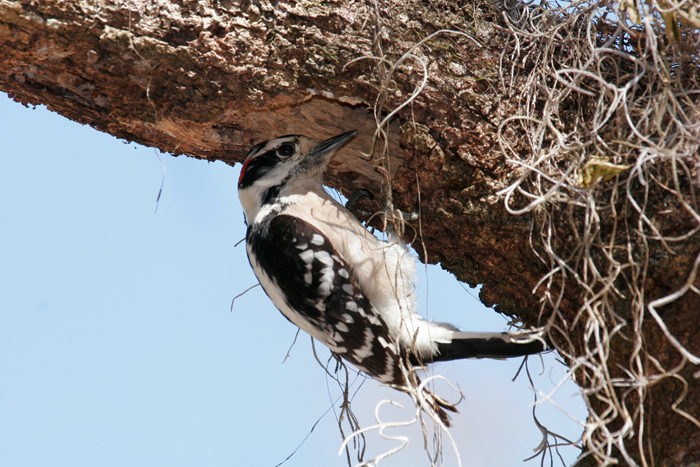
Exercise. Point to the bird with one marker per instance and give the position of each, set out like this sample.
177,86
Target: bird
338,282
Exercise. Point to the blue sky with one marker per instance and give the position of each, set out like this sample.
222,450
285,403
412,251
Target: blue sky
118,345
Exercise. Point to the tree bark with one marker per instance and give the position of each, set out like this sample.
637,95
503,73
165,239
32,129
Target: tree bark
210,79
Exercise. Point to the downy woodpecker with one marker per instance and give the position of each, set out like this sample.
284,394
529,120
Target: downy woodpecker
335,280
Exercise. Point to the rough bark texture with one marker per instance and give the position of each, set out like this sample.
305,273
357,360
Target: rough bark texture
209,79
209,82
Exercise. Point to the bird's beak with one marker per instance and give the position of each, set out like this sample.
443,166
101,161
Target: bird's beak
324,150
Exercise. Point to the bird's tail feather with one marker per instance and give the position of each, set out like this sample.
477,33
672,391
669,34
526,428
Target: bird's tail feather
489,345
464,345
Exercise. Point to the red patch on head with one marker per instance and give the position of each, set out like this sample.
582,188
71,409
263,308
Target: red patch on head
245,166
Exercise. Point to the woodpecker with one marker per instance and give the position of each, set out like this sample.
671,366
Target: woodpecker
332,278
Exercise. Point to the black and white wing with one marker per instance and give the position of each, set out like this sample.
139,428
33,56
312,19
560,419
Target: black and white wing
314,287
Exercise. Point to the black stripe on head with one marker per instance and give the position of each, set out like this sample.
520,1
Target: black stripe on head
271,194
256,168
258,163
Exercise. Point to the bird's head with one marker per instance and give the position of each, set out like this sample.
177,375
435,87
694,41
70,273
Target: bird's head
292,164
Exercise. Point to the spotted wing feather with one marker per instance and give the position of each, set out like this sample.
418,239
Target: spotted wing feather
320,288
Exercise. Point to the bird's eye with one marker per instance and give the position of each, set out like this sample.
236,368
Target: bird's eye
286,150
